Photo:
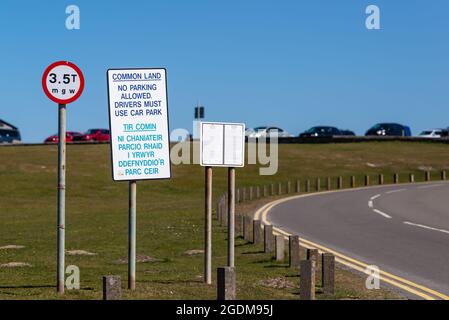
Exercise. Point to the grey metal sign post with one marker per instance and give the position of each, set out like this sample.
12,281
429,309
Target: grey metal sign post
132,235
231,215
208,227
61,197
221,145
63,83
140,144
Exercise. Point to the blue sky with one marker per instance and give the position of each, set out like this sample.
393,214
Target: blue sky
294,64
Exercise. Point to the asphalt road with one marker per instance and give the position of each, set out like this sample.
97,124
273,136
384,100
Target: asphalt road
402,229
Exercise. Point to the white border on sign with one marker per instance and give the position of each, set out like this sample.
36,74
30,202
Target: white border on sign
222,164
167,127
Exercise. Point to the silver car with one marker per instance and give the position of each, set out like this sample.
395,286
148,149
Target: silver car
259,132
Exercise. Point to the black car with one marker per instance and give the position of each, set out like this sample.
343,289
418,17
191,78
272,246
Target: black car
9,133
321,131
347,133
389,129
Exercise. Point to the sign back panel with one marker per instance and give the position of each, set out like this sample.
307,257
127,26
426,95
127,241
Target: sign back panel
222,144
138,119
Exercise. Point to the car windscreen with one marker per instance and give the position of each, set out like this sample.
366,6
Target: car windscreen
378,126
313,130
320,130
425,133
391,128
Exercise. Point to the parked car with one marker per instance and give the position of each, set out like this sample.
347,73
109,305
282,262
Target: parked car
9,133
269,132
347,133
9,136
434,133
389,129
248,132
70,137
95,135
321,131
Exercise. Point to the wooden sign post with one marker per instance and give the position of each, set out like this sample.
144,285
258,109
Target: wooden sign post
221,145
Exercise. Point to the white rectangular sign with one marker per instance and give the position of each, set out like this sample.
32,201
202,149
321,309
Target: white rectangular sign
138,119
222,144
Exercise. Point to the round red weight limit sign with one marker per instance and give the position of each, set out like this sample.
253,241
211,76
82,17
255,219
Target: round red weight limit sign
63,82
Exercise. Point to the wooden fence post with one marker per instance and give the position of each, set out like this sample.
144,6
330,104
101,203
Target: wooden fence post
226,283
269,239
294,251
328,273
257,232
307,280
112,288
280,248
340,183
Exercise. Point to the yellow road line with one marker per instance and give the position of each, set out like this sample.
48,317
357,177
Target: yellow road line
392,279
383,278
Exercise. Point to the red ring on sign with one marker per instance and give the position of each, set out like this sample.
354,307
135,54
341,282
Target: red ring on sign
44,82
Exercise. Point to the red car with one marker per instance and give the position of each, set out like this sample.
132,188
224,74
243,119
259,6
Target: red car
70,136
96,135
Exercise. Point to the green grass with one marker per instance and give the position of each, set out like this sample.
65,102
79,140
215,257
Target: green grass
170,219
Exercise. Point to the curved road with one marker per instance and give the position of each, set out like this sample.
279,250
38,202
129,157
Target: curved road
402,229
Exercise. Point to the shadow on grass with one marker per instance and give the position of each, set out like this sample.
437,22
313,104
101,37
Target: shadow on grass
262,261
243,244
172,281
29,287
253,252
44,286
284,266
19,292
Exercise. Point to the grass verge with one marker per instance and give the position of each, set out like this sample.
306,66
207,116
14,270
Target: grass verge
170,220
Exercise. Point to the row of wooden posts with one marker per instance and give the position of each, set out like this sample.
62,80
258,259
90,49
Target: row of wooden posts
308,260
255,192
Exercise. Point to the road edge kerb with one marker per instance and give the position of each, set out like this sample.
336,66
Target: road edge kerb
394,280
